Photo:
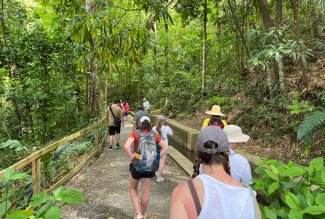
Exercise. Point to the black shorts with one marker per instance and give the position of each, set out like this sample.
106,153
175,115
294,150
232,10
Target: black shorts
136,175
112,130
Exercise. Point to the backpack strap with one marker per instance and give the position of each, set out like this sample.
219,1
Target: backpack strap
194,196
110,108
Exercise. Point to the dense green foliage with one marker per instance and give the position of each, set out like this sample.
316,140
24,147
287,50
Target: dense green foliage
47,206
292,191
62,62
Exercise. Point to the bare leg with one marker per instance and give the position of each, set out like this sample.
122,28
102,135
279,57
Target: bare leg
161,165
117,138
145,194
134,194
111,139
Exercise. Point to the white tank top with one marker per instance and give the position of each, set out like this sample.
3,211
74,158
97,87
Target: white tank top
224,201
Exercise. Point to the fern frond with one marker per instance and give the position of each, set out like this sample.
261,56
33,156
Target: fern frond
311,124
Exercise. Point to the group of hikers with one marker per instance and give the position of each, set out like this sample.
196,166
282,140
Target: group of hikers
220,187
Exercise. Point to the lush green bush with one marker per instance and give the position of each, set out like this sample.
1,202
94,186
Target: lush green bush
293,191
46,206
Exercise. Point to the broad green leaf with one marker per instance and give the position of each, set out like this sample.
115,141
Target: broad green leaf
271,175
23,214
320,199
273,187
3,208
274,169
39,199
70,196
292,201
259,170
269,213
258,184
317,163
53,212
309,198
57,191
8,173
295,214
17,176
40,212
294,171
314,210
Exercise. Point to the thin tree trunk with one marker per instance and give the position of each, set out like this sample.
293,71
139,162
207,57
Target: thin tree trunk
94,106
278,15
314,19
296,18
265,13
204,54
281,78
241,33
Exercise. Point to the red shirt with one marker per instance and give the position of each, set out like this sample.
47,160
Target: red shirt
136,138
126,107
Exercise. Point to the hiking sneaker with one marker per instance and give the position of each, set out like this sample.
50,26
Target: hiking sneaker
117,146
110,148
160,179
138,216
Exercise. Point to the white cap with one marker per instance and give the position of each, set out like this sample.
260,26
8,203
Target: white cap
145,118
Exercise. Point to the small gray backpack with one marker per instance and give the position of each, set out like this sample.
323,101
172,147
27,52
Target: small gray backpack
148,161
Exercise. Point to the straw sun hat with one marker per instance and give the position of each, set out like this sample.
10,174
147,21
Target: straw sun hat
215,110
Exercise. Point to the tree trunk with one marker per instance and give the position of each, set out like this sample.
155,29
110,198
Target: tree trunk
238,26
204,55
281,78
278,15
314,19
94,106
296,18
265,13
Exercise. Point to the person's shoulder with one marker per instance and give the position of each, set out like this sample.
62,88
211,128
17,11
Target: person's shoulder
180,189
240,158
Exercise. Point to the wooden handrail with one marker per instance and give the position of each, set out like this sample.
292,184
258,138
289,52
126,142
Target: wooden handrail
53,146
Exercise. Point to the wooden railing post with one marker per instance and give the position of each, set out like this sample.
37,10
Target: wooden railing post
36,175
97,137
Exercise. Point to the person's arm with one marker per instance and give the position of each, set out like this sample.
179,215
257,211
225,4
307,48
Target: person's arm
121,117
177,208
169,131
127,147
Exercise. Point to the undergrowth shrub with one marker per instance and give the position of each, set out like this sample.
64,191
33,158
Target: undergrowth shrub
65,159
292,191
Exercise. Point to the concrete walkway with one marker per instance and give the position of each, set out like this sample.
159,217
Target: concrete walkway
104,184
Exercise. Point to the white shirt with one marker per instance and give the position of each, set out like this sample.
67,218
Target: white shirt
224,201
146,105
165,131
240,168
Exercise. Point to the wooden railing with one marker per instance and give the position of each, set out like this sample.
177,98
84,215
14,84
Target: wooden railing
36,163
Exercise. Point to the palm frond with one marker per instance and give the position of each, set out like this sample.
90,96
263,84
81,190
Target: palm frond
311,124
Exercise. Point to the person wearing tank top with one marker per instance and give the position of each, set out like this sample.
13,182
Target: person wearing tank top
214,193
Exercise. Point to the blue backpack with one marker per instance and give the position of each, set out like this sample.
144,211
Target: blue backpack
147,149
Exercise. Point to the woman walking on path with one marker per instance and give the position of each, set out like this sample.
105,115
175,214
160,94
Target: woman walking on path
216,118
136,176
163,130
213,194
